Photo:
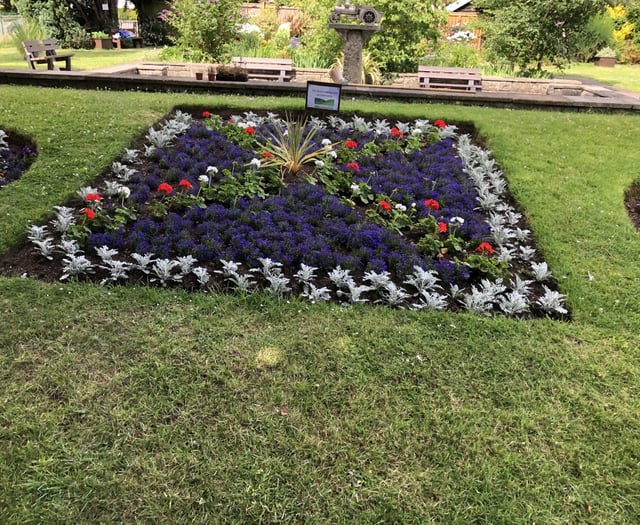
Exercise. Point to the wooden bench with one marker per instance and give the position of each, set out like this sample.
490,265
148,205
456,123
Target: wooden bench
266,68
45,51
434,77
136,42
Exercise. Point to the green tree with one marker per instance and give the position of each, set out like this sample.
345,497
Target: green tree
151,27
529,33
69,20
204,28
406,27
398,46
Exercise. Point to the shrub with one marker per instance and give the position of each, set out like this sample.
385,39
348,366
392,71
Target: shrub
203,30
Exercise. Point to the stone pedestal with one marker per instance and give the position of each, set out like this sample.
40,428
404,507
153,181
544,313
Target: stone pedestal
355,38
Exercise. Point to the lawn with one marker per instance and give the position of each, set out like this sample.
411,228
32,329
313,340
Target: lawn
625,76
135,404
83,59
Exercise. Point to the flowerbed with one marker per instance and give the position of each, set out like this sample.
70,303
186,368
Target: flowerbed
411,215
16,155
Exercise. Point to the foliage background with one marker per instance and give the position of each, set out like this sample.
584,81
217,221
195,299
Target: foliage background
531,32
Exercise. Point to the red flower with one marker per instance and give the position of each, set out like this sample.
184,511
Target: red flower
88,213
185,184
484,247
165,188
385,206
354,166
432,204
206,114
440,123
395,132
442,226
230,121
267,155
351,144
92,197
249,130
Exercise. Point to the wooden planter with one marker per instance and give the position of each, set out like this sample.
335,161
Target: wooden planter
605,61
102,43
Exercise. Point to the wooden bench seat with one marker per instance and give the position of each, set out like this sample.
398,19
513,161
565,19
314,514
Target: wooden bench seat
45,52
434,77
279,69
136,42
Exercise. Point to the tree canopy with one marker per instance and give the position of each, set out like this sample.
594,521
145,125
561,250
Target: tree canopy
529,33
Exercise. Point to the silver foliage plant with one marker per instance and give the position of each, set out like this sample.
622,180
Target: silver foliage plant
421,290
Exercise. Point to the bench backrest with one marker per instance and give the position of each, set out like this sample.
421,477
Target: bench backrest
279,69
249,62
129,25
463,71
47,46
450,77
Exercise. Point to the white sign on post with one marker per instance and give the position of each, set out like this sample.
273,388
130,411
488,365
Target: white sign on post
323,95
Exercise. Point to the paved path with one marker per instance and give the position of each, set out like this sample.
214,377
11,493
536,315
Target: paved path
595,96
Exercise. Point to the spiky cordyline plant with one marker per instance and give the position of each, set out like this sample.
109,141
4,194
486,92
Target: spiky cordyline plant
292,147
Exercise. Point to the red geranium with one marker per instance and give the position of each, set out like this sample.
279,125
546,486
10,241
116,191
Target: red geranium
440,123
165,188
351,144
206,114
432,204
88,213
354,166
92,197
267,155
442,226
185,184
249,130
395,132
385,206
484,247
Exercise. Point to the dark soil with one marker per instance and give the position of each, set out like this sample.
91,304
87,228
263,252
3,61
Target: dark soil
17,143
632,203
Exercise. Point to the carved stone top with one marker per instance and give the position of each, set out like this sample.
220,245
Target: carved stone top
362,13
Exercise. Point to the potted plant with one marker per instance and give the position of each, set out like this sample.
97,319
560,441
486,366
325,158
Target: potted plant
211,73
606,57
101,40
232,73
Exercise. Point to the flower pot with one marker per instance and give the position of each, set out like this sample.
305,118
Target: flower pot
199,75
605,61
102,43
212,76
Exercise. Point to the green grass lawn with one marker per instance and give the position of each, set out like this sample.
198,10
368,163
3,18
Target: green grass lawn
625,76
83,59
141,405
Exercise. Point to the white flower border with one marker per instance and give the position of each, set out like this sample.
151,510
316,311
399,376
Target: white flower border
421,290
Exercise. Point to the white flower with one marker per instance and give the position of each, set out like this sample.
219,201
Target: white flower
456,221
354,187
212,169
400,207
319,163
416,132
333,153
124,191
326,142
255,162
203,179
